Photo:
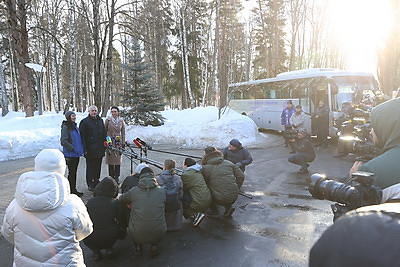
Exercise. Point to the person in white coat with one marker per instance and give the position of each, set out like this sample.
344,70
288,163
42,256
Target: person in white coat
44,221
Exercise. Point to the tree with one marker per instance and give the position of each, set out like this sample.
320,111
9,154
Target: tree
141,95
19,42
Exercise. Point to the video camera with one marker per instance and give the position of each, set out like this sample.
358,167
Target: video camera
358,191
291,134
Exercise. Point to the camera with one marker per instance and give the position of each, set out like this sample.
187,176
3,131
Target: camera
356,192
291,134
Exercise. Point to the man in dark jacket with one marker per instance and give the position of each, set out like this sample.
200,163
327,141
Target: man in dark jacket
321,120
367,236
237,154
304,151
93,136
224,180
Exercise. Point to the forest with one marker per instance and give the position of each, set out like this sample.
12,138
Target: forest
176,53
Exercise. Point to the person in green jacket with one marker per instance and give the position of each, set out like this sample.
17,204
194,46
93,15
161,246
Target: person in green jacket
196,195
385,121
224,180
147,218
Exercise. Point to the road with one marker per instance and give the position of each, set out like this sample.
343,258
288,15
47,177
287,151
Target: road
275,228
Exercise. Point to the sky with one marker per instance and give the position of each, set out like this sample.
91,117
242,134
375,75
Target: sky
22,137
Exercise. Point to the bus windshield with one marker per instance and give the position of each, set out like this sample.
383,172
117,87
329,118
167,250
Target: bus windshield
354,89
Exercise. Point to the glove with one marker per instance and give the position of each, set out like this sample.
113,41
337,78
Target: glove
239,164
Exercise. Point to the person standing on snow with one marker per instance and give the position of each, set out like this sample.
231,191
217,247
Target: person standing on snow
44,221
72,148
237,154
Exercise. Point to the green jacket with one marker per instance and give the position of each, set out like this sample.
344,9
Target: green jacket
193,182
385,120
147,218
222,177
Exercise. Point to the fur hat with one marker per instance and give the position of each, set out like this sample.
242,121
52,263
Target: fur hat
68,114
50,160
235,143
140,167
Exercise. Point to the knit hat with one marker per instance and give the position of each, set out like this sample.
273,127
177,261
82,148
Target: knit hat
235,143
289,102
140,167
146,170
50,160
68,114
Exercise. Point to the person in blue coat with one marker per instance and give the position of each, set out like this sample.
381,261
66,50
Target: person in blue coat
285,118
72,148
237,154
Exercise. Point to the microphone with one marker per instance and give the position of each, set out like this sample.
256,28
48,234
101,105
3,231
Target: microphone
105,143
139,145
143,143
108,140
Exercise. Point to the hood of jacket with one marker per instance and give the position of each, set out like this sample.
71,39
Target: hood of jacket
147,181
212,158
385,119
50,160
196,167
41,190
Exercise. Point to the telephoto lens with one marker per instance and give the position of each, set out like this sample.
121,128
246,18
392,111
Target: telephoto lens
323,188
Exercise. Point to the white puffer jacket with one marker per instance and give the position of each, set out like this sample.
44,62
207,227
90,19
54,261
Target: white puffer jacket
45,222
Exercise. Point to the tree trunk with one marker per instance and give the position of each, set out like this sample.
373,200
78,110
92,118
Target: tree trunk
19,42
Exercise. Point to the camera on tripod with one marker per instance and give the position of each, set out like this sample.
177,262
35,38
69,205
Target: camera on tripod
291,134
357,192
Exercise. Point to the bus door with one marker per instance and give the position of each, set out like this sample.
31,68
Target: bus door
318,92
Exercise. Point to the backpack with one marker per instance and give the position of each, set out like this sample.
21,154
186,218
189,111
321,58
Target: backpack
173,197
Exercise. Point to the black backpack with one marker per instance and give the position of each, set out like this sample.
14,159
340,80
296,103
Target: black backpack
173,202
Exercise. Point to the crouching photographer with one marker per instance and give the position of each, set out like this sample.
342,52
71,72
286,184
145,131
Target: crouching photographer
385,122
305,152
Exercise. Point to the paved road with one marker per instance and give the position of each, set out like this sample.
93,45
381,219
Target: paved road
275,228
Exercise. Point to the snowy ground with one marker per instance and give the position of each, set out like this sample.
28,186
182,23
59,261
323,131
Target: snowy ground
22,137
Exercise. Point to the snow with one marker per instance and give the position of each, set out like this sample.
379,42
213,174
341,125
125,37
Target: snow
197,128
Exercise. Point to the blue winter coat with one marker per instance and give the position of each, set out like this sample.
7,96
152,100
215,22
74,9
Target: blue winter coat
71,141
285,116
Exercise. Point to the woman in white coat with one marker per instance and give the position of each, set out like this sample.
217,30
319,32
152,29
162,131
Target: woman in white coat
44,221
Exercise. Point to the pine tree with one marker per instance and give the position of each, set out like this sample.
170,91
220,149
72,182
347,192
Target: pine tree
141,94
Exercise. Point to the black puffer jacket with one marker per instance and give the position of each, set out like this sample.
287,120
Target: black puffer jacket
93,135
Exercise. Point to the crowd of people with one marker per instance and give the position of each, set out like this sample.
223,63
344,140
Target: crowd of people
145,206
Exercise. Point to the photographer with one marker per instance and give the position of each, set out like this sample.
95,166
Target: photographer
304,151
385,121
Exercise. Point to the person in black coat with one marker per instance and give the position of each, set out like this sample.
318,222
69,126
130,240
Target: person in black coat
305,152
237,154
366,237
93,135
103,210
321,120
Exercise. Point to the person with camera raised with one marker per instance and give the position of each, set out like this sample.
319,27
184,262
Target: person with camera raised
305,152
385,122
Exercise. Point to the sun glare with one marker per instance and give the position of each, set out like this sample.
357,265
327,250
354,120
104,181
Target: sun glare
360,26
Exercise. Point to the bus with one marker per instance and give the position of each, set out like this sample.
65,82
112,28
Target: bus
263,100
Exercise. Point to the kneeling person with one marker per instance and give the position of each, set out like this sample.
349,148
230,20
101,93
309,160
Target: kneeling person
305,152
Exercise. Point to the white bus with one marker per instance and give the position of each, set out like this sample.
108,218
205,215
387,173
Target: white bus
263,100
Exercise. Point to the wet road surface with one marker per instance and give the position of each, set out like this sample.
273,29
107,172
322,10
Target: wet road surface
275,228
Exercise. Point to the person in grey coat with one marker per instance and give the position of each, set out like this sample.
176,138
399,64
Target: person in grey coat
147,218
237,154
